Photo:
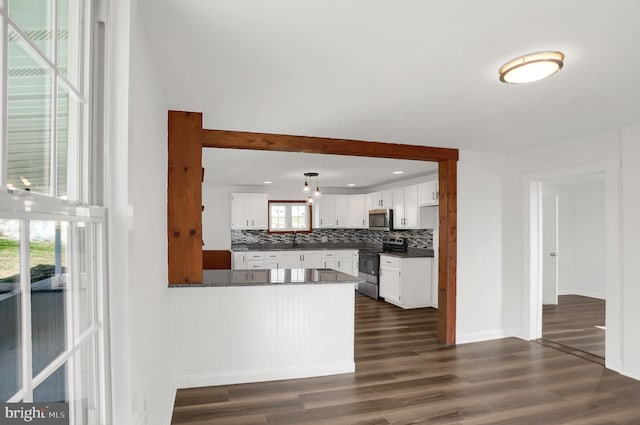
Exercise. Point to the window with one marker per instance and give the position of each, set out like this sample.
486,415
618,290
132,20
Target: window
52,242
289,216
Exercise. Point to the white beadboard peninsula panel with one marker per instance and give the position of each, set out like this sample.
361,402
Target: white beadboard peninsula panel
258,333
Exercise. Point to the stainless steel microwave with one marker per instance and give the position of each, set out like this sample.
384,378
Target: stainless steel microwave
381,219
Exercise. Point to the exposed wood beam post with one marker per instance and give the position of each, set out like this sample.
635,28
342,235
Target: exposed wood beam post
448,181
287,143
184,197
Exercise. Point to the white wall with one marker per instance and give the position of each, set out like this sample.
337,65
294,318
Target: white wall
151,360
581,238
142,388
256,333
631,249
480,284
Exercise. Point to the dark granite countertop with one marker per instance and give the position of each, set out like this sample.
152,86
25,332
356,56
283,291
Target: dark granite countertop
298,247
263,277
412,253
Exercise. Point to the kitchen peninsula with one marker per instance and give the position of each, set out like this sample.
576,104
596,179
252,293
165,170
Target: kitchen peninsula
260,325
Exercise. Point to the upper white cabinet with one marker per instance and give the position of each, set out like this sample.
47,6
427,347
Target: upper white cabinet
428,193
249,211
405,207
383,199
358,214
331,212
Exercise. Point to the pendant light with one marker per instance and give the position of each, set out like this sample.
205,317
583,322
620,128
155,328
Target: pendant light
307,188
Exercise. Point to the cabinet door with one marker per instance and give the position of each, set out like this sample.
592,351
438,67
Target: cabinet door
329,263
428,193
345,263
368,205
342,210
240,210
239,261
398,209
290,260
357,212
390,284
311,260
387,199
326,211
259,211
411,215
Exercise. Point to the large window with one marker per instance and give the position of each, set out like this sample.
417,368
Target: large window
52,255
289,216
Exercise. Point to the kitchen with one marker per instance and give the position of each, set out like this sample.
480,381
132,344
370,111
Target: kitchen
239,194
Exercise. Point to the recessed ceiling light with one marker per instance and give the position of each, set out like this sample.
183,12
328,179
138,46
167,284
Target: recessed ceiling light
351,184
267,182
398,172
531,67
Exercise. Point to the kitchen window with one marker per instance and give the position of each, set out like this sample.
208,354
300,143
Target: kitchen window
52,230
289,216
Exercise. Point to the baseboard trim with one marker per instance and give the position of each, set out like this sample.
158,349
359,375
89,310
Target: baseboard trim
582,293
482,336
261,375
630,375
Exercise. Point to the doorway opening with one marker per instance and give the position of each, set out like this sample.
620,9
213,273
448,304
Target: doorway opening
573,264
572,247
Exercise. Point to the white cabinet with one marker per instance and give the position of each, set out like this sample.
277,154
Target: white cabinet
329,260
405,207
331,212
344,262
311,259
406,282
428,193
382,199
358,214
249,211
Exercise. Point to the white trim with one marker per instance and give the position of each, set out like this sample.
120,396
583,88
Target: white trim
262,375
25,289
598,295
482,336
532,277
4,144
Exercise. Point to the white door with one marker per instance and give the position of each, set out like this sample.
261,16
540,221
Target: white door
357,212
327,211
342,210
398,208
259,211
550,250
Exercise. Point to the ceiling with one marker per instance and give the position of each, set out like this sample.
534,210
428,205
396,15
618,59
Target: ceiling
417,71
286,169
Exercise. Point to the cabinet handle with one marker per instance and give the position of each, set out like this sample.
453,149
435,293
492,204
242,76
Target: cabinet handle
320,221
253,222
336,222
433,196
247,222
363,221
338,263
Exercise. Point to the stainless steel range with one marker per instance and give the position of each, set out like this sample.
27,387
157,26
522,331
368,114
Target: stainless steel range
369,265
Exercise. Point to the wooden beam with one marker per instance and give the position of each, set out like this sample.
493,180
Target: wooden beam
285,143
448,205
184,197
216,260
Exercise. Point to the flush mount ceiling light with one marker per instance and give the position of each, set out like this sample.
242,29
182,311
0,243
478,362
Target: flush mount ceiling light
532,67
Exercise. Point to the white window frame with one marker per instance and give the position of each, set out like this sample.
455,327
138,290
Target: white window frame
288,216
25,206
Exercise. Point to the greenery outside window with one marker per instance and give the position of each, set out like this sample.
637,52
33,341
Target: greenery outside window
289,216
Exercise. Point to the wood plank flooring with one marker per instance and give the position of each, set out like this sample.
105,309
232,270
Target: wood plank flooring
572,324
404,378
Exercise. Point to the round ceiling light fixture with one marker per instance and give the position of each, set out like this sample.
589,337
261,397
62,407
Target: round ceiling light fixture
531,67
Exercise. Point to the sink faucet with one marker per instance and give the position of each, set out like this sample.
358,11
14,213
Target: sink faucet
295,239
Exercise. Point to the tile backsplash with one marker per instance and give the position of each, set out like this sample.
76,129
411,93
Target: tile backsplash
422,238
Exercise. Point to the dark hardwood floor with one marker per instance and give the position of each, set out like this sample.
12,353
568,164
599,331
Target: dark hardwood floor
572,325
403,377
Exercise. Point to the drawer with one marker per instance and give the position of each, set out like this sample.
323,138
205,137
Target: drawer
271,256
329,255
257,265
389,261
254,255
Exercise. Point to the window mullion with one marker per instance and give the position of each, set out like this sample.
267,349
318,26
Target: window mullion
54,101
25,290
3,103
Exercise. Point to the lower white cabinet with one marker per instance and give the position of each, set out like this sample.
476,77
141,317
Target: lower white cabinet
406,282
345,261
